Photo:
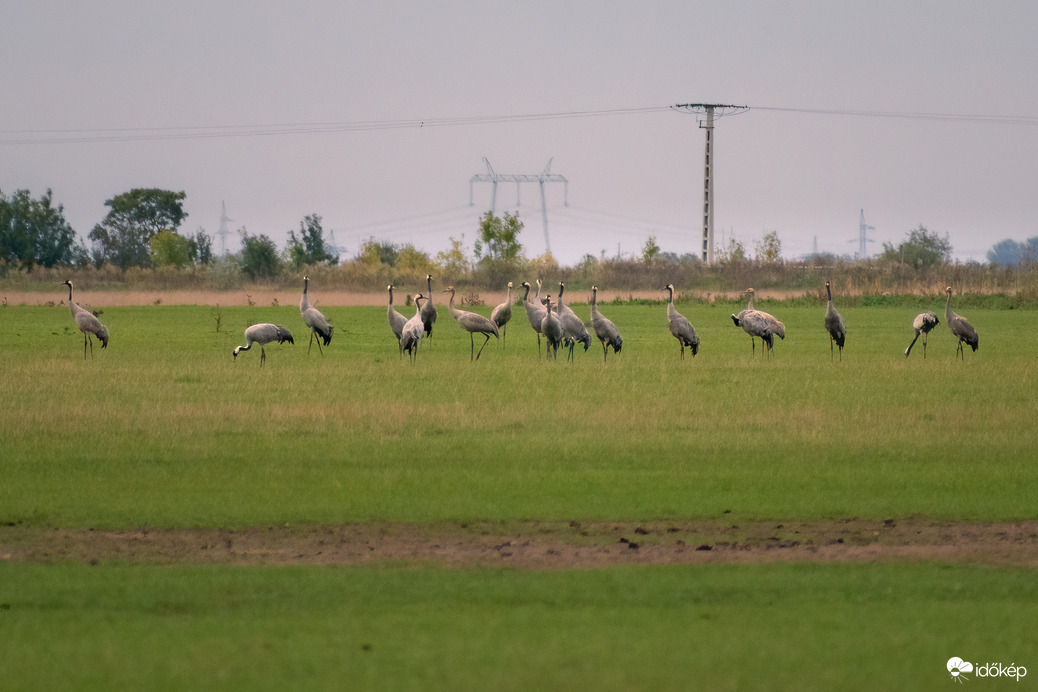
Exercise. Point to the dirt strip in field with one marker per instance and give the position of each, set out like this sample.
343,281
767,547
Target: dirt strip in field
536,545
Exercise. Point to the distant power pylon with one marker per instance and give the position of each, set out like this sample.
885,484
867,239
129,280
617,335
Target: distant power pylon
493,177
863,236
224,231
708,172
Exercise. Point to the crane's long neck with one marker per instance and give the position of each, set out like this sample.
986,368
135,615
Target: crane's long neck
558,303
450,305
428,285
948,314
390,296
670,302
828,292
305,302
594,300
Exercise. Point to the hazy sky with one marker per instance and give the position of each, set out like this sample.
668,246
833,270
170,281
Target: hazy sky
261,104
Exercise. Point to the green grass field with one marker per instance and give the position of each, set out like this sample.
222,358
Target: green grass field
164,429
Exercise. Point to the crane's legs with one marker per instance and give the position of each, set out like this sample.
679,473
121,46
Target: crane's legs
312,343
605,351
263,356
487,338
86,337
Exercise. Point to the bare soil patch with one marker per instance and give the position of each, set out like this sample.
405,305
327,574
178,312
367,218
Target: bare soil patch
536,545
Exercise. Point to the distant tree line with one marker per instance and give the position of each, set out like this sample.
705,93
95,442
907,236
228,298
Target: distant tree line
142,229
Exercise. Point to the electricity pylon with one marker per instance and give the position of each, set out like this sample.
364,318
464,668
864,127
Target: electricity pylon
546,176
224,231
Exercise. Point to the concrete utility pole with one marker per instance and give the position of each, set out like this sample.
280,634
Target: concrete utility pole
708,173
493,177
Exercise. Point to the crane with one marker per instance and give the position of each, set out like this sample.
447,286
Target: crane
962,329
834,324
605,330
263,334
316,321
472,323
923,323
680,327
87,323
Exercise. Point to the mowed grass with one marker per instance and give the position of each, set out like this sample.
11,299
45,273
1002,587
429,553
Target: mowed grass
164,429
712,627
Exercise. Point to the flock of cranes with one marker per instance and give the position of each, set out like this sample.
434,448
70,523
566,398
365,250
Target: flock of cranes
555,321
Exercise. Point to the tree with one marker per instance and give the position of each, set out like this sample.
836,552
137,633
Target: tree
169,248
259,256
133,219
1011,253
651,251
453,262
920,249
411,260
499,238
201,247
35,232
374,253
309,247
734,253
769,249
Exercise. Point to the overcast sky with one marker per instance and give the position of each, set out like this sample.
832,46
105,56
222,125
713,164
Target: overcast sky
260,104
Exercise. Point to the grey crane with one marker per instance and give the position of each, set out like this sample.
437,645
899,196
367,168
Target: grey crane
754,324
573,329
534,312
315,320
396,320
680,327
428,310
834,325
777,328
411,334
605,330
923,323
472,323
502,314
263,334
551,327
87,323
962,329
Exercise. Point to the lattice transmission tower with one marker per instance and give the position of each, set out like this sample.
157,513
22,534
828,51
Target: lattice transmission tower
545,176
863,236
224,231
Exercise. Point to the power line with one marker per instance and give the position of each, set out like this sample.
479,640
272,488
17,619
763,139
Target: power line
134,134
14,137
